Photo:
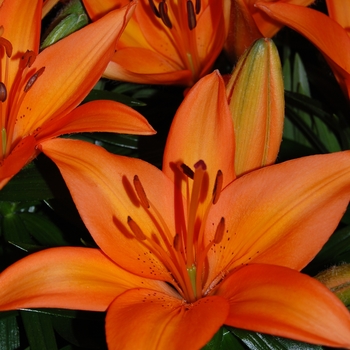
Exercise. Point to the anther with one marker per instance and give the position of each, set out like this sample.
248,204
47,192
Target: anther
191,16
140,192
3,92
198,6
200,164
154,8
219,231
28,58
187,170
217,186
135,228
7,45
177,242
163,12
33,79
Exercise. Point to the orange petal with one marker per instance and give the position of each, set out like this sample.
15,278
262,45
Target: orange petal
117,71
24,33
62,86
259,123
282,214
321,30
340,14
22,154
211,32
203,129
279,301
147,319
91,173
106,116
97,9
242,30
72,278
267,26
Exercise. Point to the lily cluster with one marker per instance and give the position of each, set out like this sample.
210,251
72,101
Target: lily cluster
220,234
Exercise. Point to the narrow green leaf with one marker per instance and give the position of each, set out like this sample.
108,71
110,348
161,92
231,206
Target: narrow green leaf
39,330
9,332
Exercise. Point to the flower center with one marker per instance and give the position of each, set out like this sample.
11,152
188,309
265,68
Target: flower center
184,254
13,91
181,19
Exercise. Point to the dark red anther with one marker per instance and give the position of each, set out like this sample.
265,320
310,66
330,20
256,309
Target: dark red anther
154,8
198,6
187,170
191,16
3,92
163,12
28,58
33,79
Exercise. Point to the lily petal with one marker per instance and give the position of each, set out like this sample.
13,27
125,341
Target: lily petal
72,278
97,9
62,87
110,183
25,35
146,319
202,129
322,31
340,14
17,159
105,116
280,301
242,30
266,24
276,215
114,69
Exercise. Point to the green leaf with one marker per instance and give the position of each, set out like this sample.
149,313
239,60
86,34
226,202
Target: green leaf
43,230
69,20
28,185
258,341
39,330
9,331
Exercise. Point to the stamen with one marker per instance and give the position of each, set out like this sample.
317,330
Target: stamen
140,192
198,6
217,186
187,170
163,12
7,45
3,92
154,8
135,228
219,231
191,16
33,79
28,58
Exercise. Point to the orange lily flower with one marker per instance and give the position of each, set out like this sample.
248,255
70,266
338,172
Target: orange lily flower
173,42
185,250
39,91
248,24
330,37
